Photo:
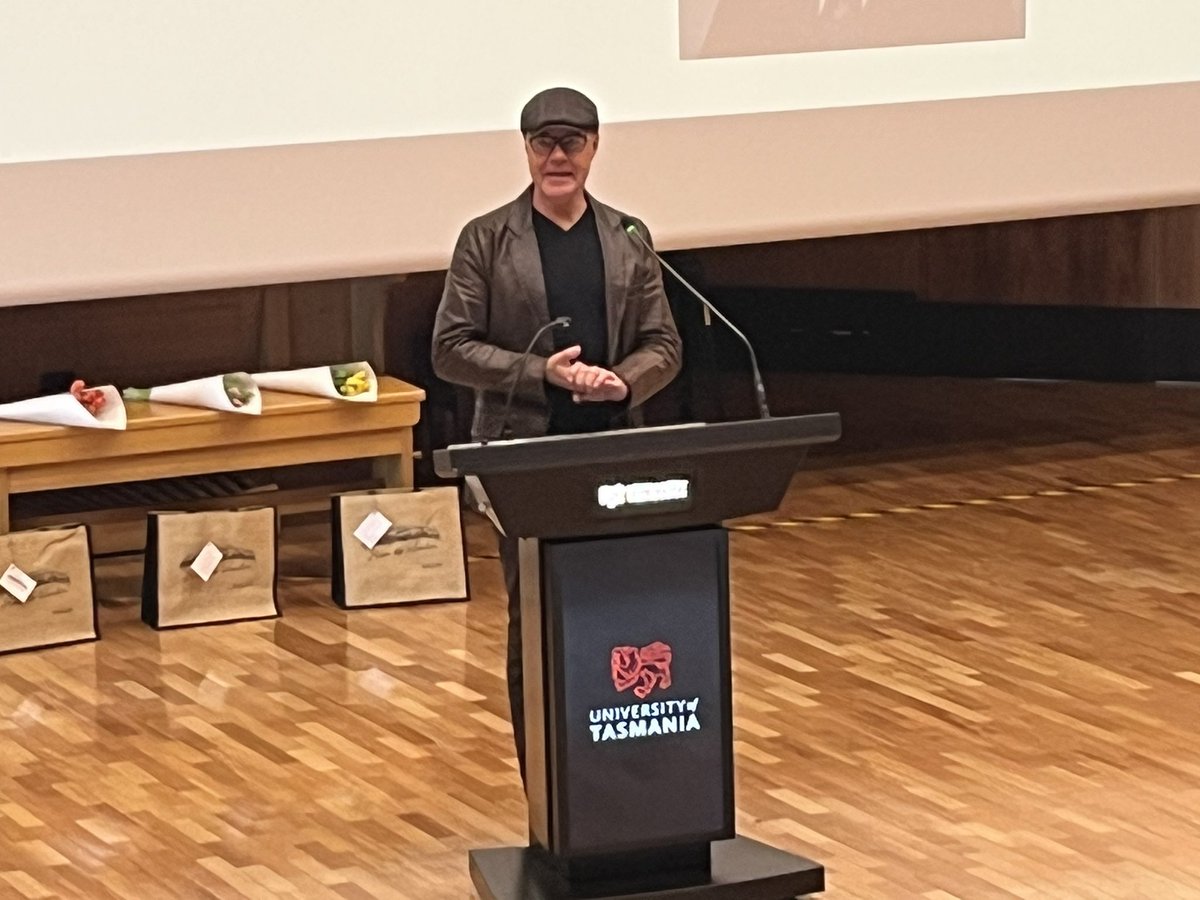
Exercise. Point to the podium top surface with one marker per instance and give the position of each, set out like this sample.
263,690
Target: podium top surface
633,445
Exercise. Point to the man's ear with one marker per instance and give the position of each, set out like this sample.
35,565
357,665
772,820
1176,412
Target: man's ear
596,145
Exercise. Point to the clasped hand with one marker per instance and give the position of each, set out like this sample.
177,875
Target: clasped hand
587,384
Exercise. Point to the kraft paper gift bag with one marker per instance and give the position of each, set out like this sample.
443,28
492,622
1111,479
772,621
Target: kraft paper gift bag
46,589
207,567
397,546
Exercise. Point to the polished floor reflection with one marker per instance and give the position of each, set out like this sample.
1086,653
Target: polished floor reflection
936,696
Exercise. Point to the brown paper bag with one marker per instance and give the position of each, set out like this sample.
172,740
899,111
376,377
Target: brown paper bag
420,556
241,583
61,609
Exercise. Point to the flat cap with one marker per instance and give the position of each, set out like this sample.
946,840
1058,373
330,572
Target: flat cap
559,106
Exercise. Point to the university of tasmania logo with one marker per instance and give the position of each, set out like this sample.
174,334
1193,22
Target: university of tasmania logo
643,670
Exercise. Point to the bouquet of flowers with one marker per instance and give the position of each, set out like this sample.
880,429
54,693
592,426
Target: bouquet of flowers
232,392
347,381
81,406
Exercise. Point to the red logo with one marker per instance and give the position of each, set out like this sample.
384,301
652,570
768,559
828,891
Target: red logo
641,669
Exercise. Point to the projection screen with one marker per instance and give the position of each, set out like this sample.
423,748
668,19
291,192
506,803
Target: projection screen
148,146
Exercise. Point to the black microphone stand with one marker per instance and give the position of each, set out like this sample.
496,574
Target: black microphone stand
563,321
760,392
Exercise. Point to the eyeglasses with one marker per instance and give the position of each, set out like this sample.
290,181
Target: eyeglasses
571,143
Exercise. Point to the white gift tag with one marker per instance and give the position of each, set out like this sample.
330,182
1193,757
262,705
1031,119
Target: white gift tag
372,528
207,560
17,583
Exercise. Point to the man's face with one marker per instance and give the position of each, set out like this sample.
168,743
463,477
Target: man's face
559,160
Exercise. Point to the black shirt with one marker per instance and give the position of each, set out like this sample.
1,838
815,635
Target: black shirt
573,269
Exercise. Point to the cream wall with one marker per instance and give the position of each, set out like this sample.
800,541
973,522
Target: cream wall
117,77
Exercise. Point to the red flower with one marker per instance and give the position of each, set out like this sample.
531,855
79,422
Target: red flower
91,398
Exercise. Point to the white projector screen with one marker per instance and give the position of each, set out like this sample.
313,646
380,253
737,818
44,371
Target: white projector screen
152,146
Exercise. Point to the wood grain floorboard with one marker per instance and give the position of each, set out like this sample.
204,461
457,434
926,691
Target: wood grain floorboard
964,702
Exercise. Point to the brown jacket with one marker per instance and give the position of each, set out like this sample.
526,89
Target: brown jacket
495,300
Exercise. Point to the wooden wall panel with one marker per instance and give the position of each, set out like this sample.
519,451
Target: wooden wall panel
1142,258
169,337
319,322
30,348
131,340
1084,260
1172,247
859,262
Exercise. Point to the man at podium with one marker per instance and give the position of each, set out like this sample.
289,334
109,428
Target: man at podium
552,314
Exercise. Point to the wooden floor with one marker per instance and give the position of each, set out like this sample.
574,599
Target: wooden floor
967,664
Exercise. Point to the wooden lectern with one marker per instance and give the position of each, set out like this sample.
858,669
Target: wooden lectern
625,627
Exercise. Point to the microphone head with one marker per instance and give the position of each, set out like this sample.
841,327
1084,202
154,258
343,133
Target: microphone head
562,322
628,225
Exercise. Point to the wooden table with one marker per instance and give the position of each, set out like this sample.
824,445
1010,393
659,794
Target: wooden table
165,441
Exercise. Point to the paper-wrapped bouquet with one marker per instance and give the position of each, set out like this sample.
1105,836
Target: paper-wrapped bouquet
231,392
347,381
82,406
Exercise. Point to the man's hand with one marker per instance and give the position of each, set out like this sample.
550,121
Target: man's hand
594,384
587,384
559,367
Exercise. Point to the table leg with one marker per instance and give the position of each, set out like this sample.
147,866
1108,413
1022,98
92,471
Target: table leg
5,521
397,471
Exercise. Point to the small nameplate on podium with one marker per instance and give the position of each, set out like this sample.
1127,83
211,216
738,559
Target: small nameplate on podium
636,496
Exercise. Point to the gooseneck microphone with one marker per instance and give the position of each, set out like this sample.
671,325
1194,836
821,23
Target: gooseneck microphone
519,366
760,392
